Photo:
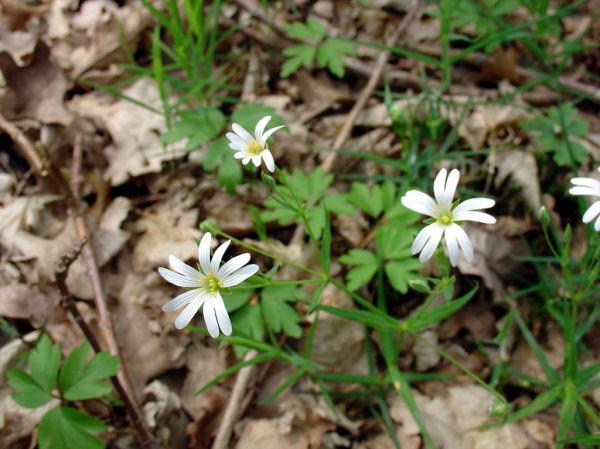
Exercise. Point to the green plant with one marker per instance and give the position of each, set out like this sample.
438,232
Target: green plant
327,51
75,379
554,131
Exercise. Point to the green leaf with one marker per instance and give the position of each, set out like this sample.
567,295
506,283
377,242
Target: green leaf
359,257
325,252
401,273
248,321
29,393
316,295
43,363
312,30
393,242
361,316
217,150
67,428
360,275
248,115
79,380
331,55
197,125
369,201
338,203
236,298
316,220
298,55
280,316
230,173
424,317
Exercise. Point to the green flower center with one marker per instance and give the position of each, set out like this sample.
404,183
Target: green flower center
254,148
445,218
210,284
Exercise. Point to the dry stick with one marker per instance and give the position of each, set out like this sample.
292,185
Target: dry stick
46,169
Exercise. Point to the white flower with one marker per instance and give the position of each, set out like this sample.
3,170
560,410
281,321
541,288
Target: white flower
588,187
253,148
206,285
446,216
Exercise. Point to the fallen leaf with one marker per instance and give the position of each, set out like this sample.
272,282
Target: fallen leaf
521,168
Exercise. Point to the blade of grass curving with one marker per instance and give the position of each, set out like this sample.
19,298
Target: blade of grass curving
541,402
284,386
567,413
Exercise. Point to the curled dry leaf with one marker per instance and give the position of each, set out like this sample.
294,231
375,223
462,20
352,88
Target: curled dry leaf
136,148
160,402
521,168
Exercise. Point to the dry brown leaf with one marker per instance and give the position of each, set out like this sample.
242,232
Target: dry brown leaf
265,434
19,44
38,88
161,402
20,301
522,168
453,417
136,148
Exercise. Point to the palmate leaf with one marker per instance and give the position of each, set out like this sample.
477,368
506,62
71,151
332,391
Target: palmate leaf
198,125
279,315
312,30
299,55
29,393
67,428
331,54
79,380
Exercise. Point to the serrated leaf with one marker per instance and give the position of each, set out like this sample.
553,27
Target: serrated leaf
338,203
316,220
312,30
230,173
247,321
198,125
29,393
393,242
235,299
299,55
283,292
359,257
79,380
280,316
401,273
67,428
331,54
216,151
360,275
43,363
369,201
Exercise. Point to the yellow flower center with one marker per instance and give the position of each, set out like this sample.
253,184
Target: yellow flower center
445,218
210,283
254,148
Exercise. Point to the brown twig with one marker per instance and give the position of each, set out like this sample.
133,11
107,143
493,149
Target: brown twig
45,168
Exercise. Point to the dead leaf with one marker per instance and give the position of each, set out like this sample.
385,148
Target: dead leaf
136,148
162,402
22,302
38,88
522,169
19,44
264,434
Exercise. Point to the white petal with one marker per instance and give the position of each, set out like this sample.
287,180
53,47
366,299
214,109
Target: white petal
450,188
260,127
434,240
181,300
268,134
235,139
240,131
177,279
240,276
419,202
188,313
481,217
204,253
222,315
592,212
421,239
218,255
240,155
474,204
245,160
183,268
597,224
268,158
439,184
579,190
256,160
592,183
451,244
210,318
463,241
232,265
238,147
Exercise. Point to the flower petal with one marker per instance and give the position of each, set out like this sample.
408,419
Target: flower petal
434,240
481,217
232,265
419,202
256,160
176,278
269,133
218,256
464,242
260,127
238,147
222,315
204,253
450,188
592,183
181,300
597,224
210,318
245,160
188,313
183,268
240,131
240,276
451,244
268,158
421,239
474,204
592,212
240,155
439,185
235,139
